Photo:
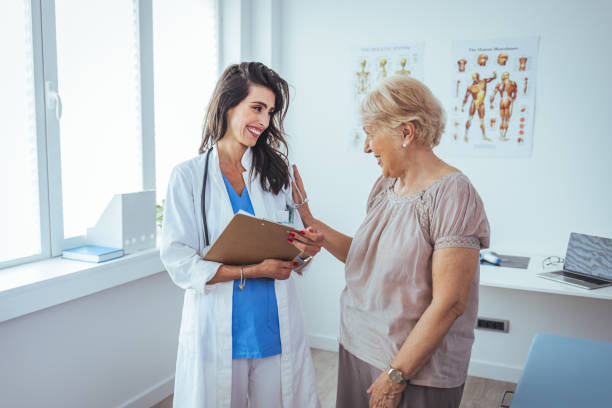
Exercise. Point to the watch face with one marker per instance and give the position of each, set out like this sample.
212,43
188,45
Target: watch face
396,376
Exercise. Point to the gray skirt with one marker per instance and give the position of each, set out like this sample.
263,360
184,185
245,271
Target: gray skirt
355,377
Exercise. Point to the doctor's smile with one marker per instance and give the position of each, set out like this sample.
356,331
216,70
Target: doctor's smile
254,132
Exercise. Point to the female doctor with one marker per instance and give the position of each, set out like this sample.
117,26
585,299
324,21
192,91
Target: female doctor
242,334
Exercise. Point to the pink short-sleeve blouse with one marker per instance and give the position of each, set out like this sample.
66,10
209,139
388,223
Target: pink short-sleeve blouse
389,275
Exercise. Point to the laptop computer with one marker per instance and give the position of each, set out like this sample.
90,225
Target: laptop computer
588,262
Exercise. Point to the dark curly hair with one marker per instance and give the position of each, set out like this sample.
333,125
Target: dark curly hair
270,160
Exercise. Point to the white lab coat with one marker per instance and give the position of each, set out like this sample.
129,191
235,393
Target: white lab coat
204,362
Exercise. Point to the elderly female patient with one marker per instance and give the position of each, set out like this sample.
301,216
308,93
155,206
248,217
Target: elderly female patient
409,308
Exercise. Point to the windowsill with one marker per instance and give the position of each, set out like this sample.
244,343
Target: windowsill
38,285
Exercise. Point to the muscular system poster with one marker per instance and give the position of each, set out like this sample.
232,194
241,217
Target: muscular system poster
371,64
493,98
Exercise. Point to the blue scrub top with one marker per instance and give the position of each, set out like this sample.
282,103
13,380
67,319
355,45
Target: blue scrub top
255,330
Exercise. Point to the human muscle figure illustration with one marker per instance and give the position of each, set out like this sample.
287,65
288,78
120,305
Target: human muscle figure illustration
477,91
522,63
525,86
507,92
482,59
457,90
461,63
502,59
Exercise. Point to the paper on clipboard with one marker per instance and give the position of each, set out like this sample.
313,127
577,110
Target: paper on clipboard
248,240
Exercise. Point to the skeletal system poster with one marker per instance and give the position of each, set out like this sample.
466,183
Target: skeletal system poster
493,98
371,64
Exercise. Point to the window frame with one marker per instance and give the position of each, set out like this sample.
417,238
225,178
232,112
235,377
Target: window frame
41,143
44,53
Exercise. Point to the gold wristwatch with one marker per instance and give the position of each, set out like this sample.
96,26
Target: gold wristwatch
396,375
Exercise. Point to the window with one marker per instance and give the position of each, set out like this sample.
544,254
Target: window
186,70
98,75
77,109
20,235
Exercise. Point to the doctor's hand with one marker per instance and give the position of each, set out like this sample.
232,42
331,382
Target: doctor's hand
296,190
274,269
309,241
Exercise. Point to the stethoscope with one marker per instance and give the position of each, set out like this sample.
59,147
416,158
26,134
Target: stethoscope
203,200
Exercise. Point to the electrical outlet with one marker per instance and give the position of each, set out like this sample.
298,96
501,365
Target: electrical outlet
486,323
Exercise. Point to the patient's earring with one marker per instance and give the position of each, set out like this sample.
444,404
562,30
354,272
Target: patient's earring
405,133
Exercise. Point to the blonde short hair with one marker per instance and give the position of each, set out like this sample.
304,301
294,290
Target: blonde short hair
400,99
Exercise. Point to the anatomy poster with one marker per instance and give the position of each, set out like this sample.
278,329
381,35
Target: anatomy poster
371,64
493,98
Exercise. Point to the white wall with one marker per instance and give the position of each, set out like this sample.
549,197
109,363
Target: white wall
533,204
115,348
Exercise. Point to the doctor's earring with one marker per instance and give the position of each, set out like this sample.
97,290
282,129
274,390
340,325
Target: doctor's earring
404,145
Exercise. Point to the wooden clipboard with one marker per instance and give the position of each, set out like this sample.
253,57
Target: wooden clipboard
248,240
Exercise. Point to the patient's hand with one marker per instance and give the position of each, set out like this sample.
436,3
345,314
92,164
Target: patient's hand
309,241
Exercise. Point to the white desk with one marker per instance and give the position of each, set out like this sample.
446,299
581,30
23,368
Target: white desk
527,279
532,305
